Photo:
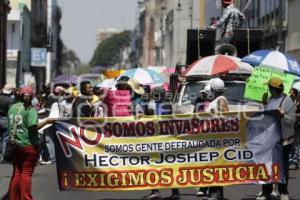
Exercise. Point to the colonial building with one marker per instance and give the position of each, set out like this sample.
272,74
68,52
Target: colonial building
271,17
104,33
161,35
18,42
293,33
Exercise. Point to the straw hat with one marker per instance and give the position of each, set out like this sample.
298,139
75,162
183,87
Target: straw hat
7,89
135,86
276,83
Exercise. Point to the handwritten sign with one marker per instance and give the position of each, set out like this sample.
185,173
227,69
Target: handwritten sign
257,84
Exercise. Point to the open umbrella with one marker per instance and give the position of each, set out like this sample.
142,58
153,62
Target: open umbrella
273,59
217,64
144,76
66,79
107,83
97,69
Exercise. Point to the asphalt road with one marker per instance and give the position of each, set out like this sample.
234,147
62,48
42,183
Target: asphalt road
45,188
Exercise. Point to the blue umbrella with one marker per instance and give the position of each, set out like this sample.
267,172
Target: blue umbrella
273,59
144,76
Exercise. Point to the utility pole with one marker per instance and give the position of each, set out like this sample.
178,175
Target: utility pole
4,10
191,13
280,40
202,4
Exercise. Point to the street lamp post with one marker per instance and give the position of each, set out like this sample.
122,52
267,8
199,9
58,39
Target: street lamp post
4,10
179,8
191,13
280,41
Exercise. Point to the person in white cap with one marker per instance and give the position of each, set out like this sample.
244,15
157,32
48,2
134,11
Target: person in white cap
214,92
219,102
5,103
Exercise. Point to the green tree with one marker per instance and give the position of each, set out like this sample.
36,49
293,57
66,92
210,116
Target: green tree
108,51
68,56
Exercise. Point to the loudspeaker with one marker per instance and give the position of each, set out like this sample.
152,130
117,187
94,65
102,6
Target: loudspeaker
226,49
206,39
240,41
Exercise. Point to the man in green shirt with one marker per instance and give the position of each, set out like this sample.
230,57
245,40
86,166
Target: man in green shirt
23,130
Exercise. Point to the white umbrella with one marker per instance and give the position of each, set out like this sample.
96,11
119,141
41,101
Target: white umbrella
107,83
144,76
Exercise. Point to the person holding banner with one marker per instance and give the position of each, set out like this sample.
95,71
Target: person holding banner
137,91
23,131
161,107
82,106
287,115
213,102
294,154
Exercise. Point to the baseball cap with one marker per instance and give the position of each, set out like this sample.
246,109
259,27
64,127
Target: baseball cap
59,89
26,90
7,89
276,82
227,1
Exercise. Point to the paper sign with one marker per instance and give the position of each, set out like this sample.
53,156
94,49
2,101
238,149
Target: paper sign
257,84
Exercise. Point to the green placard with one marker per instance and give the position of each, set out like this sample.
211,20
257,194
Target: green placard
257,83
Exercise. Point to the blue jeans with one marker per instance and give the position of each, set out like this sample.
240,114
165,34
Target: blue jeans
4,135
294,153
48,150
227,37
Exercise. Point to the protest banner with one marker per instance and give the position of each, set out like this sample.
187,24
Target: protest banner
257,83
168,151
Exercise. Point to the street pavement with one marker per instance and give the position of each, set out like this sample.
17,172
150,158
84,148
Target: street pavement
44,187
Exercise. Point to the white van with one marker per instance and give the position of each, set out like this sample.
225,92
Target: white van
189,91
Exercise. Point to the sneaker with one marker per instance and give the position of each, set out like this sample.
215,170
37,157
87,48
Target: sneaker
154,195
275,194
284,197
293,166
212,198
259,194
263,197
175,197
202,195
46,162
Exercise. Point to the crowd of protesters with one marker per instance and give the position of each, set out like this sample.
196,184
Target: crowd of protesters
38,111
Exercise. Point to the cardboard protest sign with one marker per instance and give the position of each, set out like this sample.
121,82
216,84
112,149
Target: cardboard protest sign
257,83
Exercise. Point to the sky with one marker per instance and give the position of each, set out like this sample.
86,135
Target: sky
82,18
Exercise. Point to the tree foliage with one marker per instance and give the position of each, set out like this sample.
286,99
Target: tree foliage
108,51
68,56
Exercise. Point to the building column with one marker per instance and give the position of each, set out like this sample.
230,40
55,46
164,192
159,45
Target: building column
4,10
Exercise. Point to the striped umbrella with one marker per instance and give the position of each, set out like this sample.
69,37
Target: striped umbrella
273,59
217,64
144,76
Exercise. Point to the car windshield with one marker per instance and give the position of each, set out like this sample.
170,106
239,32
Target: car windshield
234,92
192,92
